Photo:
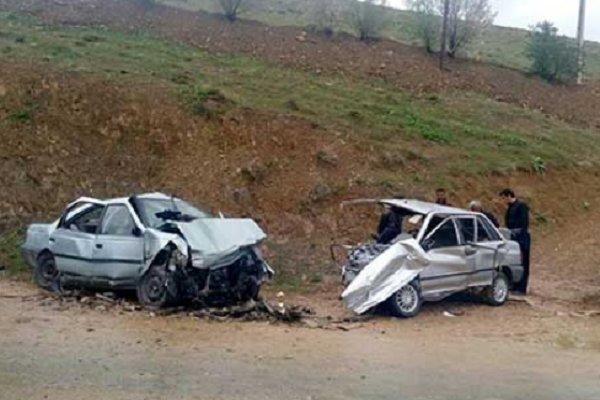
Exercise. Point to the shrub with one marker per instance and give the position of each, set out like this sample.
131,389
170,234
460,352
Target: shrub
324,16
554,57
369,18
230,8
467,19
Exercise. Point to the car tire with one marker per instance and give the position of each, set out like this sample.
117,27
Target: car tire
45,273
406,302
497,294
157,288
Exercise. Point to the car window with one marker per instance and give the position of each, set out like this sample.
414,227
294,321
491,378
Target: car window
117,221
485,232
443,236
83,218
466,227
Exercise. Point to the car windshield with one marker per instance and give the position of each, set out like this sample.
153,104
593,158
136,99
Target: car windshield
149,208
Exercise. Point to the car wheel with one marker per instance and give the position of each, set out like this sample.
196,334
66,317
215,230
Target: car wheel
157,288
406,302
45,274
497,294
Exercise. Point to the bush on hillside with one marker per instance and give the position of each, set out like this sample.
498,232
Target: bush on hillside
554,57
369,18
324,16
427,23
230,8
467,19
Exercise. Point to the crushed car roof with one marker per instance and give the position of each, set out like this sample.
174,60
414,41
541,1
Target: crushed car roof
416,206
155,195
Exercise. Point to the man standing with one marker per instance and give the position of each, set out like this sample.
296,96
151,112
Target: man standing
441,197
475,206
517,220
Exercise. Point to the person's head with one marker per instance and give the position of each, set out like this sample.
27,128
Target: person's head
415,222
475,206
507,196
441,195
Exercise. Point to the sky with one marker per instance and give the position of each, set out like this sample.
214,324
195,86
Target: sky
563,13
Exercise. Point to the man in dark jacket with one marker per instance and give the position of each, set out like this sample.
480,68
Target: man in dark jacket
390,226
517,220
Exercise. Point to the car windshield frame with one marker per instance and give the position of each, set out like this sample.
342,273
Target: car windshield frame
147,208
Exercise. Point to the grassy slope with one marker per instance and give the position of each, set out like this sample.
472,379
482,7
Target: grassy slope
499,45
453,132
449,126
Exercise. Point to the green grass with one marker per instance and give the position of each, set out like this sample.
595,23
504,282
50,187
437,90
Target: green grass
499,45
10,253
463,132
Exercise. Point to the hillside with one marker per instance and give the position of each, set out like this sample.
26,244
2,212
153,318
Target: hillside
499,45
104,98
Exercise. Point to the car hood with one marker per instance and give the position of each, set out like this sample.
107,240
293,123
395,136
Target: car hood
385,275
218,239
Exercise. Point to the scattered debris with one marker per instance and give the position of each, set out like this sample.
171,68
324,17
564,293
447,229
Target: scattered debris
255,311
448,314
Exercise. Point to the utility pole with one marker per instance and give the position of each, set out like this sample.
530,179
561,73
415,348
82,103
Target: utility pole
580,42
444,33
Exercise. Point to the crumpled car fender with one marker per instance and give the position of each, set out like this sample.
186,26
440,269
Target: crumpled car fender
156,241
384,276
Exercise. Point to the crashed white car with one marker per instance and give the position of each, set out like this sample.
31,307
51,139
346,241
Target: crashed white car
163,247
439,251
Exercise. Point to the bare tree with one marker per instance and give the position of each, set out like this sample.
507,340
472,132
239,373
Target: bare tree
369,18
427,22
466,20
230,8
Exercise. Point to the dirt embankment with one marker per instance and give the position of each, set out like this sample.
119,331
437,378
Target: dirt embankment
404,66
66,135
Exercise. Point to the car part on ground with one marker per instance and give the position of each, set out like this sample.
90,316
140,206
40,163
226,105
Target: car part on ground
452,251
167,250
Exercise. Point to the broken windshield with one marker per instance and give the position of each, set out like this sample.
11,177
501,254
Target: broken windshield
153,211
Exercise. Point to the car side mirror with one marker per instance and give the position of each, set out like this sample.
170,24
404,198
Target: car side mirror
427,244
137,232
470,250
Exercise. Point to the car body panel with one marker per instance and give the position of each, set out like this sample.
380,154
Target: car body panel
472,261
388,273
119,260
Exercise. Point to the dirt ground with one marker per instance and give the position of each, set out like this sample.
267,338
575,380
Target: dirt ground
52,351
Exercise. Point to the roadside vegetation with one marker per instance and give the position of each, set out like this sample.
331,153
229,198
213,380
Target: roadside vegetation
554,57
496,45
465,129
11,262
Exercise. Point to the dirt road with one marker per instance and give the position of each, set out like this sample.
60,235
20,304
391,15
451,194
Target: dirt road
52,351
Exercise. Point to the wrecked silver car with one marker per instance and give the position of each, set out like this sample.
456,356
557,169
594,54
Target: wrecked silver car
161,246
439,251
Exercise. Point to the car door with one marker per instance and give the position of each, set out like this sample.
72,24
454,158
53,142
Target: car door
72,243
118,255
489,245
449,267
